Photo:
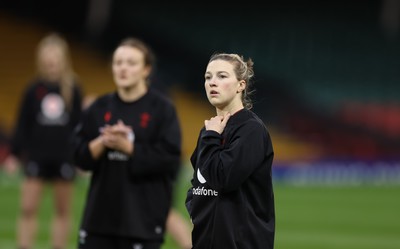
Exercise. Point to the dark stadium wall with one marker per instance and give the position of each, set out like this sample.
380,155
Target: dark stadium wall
313,59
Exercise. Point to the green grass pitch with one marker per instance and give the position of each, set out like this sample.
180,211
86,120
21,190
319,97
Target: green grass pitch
307,217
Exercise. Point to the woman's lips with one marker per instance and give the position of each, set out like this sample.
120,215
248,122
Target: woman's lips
213,93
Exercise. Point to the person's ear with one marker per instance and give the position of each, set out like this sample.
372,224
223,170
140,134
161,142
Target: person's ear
242,86
147,71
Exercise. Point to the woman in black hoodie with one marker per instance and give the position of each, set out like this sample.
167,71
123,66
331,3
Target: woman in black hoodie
130,141
231,201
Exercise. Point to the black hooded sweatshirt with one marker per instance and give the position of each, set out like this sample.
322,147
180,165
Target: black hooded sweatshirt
45,123
130,196
231,201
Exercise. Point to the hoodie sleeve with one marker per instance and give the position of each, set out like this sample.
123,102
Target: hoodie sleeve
227,164
83,134
76,106
25,117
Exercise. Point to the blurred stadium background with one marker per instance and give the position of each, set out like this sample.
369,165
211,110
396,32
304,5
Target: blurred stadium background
327,86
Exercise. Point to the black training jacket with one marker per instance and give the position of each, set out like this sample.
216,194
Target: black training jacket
231,201
45,124
130,196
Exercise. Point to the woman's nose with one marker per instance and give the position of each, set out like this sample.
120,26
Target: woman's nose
212,82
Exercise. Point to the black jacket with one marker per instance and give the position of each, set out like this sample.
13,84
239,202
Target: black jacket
231,201
45,124
131,195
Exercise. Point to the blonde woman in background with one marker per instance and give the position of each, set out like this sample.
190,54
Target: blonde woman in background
49,110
